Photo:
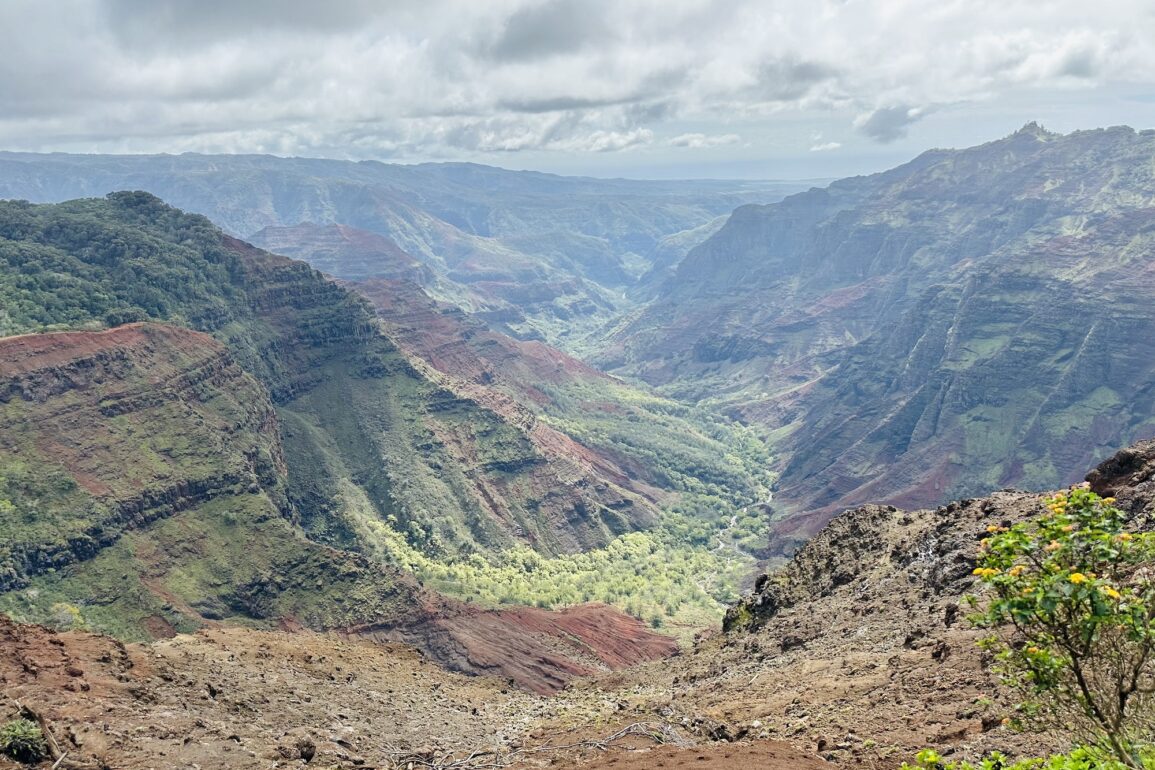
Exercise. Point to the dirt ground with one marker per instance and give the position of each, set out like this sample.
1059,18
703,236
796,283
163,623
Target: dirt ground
763,755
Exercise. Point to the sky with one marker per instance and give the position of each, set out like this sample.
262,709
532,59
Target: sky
769,89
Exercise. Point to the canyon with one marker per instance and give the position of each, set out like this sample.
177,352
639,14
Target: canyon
499,451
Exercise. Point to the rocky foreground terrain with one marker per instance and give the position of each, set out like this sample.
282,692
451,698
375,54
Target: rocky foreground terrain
856,653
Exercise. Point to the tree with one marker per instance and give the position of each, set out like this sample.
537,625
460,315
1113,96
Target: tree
1071,604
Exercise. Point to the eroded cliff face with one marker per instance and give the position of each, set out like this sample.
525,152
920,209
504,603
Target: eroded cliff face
124,427
971,320
520,380
341,249
454,470
145,489
630,442
156,479
370,435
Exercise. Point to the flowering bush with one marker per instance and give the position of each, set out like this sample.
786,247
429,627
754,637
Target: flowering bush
1079,759
1071,606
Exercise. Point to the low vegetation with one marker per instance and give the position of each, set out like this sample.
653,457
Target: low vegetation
678,577
22,740
1079,759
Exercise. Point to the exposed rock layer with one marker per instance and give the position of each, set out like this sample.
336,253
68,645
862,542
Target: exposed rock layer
971,320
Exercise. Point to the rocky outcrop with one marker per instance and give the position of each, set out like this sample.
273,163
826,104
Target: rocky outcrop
932,550
1129,477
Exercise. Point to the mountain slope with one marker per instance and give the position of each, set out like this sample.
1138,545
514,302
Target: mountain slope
143,488
971,320
149,484
637,440
373,447
348,400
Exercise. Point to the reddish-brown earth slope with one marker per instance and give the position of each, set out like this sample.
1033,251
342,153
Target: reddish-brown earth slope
537,649
349,251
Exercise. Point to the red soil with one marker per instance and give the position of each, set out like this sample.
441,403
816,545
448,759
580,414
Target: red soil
536,649
32,352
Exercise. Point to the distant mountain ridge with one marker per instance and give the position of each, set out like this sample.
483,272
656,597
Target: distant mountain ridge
973,319
545,256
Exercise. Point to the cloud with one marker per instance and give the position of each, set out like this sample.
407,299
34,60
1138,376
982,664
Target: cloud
825,146
702,141
167,23
781,79
419,79
558,103
551,28
889,124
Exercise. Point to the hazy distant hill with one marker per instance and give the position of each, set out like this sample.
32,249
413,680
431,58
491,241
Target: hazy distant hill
544,255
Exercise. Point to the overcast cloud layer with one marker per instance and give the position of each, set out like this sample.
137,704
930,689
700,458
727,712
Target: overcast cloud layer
638,87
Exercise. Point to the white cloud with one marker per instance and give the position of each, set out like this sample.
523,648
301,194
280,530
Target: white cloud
825,146
698,141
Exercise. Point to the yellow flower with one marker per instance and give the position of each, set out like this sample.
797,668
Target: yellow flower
1069,528
993,528
986,572
1077,578
1124,536
1033,650
1054,545
1111,592
1108,501
1017,570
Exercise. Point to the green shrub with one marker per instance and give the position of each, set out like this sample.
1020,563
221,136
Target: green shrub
1070,601
1079,759
22,740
